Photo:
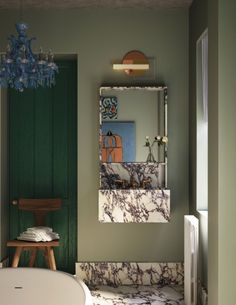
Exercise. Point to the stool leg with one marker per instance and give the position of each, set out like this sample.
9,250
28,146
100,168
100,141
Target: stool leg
16,257
32,257
46,256
51,258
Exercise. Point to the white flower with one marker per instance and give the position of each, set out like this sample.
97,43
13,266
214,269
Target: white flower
147,143
158,138
164,140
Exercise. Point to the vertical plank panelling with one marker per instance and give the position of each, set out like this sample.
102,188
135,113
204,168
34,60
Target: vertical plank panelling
60,134
72,164
43,143
14,111
25,146
43,149
64,161
43,158
22,153
60,160
26,157
21,157
60,225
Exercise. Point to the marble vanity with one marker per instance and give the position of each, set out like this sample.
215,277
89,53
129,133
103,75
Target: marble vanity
133,192
133,166
134,205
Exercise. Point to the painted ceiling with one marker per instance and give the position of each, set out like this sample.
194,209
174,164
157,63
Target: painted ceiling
44,4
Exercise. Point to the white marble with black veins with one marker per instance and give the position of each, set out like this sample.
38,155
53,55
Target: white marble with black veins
128,175
137,295
134,206
130,273
133,192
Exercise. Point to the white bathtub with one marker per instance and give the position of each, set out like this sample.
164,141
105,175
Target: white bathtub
34,286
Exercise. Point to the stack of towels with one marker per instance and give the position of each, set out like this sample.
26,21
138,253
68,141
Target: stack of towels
38,234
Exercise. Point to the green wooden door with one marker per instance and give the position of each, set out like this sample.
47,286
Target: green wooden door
43,159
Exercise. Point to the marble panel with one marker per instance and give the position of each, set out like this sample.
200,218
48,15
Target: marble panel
134,206
138,295
130,273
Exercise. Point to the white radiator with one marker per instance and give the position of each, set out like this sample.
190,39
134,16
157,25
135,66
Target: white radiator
190,259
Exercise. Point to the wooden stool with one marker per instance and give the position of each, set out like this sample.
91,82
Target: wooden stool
46,247
40,208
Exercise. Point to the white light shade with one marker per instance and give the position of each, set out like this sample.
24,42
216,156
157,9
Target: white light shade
130,66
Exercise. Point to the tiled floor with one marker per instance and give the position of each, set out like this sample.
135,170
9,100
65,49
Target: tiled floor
137,295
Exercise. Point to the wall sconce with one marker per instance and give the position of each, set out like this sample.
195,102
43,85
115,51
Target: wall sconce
134,63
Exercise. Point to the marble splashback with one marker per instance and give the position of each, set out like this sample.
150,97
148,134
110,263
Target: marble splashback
129,273
132,175
134,206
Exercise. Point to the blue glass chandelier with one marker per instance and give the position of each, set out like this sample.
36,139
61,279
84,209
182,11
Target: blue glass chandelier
20,68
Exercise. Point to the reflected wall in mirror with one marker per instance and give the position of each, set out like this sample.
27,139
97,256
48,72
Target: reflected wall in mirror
133,122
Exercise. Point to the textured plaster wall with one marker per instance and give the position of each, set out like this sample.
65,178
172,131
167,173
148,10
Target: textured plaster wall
98,37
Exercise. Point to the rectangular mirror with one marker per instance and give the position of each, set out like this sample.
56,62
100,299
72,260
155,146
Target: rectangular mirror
133,137
129,117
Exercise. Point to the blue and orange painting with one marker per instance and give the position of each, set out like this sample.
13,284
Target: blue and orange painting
126,132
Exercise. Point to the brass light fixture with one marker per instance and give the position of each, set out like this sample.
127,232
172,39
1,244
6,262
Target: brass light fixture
134,63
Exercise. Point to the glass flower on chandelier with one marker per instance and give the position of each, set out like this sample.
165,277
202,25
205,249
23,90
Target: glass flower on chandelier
20,68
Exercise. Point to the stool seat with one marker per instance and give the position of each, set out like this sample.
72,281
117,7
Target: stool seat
46,247
17,243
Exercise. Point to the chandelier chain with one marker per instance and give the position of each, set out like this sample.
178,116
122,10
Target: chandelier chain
21,10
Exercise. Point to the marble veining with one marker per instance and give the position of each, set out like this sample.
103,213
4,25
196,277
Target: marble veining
134,205
129,175
136,295
129,273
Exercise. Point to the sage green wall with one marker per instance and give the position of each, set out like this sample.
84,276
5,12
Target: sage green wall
222,149
198,22
98,37
213,153
227,150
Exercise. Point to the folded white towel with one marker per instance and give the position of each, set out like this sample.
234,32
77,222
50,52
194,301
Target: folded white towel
29,234
29,238
39,234
40,228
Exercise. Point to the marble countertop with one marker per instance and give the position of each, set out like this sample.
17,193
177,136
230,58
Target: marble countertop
138,295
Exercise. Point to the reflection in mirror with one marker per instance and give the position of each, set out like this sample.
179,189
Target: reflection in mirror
127,176
133,124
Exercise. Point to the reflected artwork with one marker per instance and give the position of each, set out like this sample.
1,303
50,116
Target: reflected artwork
118,141
109,107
